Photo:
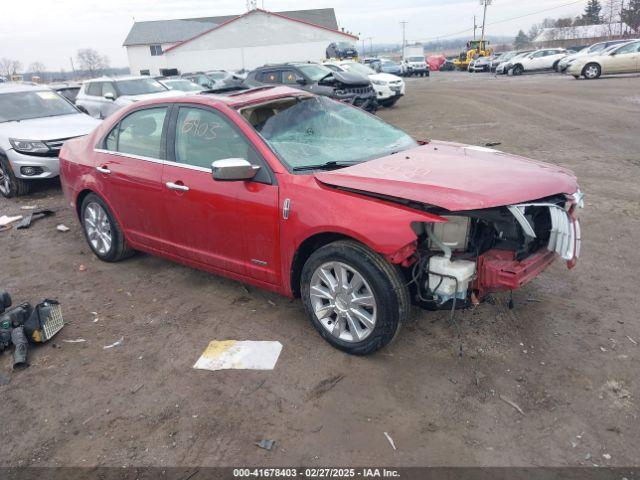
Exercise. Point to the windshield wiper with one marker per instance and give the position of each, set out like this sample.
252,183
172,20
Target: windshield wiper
333,165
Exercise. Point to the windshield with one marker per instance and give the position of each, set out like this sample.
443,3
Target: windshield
182,85
358,68
317,130
415,59
140,86
389,63
344,45
38,104
314,72
508,56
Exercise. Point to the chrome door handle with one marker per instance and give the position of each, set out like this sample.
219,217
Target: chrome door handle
175,186
103,170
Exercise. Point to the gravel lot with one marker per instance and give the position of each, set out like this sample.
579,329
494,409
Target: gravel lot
566,355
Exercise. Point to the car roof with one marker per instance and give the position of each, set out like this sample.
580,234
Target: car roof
14,87
118,79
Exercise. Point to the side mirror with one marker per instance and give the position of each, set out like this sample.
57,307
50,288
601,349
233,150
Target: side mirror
301,81
613,54
109,96
82,109
233,169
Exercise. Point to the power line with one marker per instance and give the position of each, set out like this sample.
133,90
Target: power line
504,20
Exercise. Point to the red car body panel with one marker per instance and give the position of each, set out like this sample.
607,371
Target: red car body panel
237,229
456,177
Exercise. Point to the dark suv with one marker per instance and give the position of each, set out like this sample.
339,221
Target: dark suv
315,78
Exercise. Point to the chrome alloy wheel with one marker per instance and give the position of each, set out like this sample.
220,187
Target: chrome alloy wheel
591,71
5,181
98,228
343,302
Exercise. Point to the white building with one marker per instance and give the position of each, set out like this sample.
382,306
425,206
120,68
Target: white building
582,35
232,42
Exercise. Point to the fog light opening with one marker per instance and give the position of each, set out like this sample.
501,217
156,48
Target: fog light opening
30,171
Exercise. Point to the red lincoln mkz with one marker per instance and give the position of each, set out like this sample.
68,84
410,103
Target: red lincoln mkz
306,196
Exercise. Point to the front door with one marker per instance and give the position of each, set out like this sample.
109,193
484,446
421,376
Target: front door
230,226
129,171
623,60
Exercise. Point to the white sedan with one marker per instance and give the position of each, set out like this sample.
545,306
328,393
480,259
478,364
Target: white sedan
545,59
619,59
389,88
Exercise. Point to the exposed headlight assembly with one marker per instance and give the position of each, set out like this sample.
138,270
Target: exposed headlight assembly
454,233
379,82
29,146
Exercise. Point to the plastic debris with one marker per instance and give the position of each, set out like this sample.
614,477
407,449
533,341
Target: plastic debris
234,354
62,228
114,344
512,403
632,340
77,340
266,444
391,442
82,268
28,207
606,456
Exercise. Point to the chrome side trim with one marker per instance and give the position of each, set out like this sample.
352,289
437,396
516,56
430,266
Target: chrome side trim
153,160
286,207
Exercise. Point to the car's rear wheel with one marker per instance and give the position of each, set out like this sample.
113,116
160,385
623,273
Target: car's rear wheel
102,231
354,297
10,186
591,71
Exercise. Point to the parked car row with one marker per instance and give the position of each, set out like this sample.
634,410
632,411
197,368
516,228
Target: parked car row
603,58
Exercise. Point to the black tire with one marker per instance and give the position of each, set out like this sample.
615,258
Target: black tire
555,66
119,250
577,77
518,70
585,71
10,186
386,282
389,103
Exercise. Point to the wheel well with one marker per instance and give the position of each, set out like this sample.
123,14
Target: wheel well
305,250
80,199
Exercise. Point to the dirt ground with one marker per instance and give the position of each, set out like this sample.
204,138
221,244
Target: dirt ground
567,355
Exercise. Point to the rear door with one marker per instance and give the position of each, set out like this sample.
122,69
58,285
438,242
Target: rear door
230,226
90,98
129,170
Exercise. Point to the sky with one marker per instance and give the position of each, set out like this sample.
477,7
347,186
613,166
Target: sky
51,32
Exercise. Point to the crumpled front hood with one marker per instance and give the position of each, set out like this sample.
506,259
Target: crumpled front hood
50,128
349,78
455,177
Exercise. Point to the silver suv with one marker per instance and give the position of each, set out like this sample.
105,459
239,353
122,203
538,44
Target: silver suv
34,122
101,97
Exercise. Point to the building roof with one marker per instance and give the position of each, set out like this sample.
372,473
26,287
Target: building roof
581,32
173,31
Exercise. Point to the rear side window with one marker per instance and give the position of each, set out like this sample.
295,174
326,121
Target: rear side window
271,77
107,87
140,133
94,89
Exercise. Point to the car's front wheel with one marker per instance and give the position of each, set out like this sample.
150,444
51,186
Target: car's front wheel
518,70
10,185
592,71
102,231
354,297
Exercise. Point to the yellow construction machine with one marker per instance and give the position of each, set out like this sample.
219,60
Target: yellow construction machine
475,49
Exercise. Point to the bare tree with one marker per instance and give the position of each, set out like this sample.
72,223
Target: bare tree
37,68
9,67
91,61
611,12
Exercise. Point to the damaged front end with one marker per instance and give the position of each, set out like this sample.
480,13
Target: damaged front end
476,252
352,88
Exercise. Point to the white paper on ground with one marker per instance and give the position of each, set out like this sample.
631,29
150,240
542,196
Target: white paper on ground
239,354
6,220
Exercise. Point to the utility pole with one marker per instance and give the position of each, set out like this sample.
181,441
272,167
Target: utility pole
475,27
404,38
486,3
370,45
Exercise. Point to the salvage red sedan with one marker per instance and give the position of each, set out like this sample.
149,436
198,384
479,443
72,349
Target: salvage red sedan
306,196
